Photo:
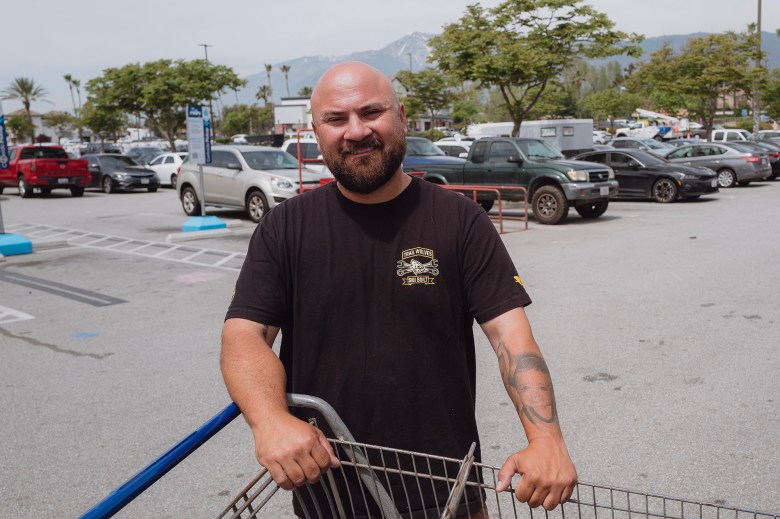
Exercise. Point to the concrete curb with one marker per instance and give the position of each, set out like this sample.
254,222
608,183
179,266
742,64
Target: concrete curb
196,235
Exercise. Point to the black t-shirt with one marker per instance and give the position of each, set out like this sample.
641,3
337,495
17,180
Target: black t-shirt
376,304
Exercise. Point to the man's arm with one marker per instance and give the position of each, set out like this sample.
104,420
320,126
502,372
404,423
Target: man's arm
292,450
548,474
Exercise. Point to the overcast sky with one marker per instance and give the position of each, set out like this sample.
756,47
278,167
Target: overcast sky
84,37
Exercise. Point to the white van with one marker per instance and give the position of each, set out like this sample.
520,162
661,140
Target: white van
732,135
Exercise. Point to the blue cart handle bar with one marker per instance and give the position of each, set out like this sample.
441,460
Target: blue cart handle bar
137,484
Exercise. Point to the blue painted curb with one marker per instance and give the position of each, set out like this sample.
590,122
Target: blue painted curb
12,244
203,223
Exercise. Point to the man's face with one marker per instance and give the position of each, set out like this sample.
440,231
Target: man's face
361,131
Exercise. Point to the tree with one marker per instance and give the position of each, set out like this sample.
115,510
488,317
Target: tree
431,88
103,120
610,103
706,69
285,70
160,91
250,119
62,123
69,80
305,91
20,127
521,45
264,93
27,91
770,94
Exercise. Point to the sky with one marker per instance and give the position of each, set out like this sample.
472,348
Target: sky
84,37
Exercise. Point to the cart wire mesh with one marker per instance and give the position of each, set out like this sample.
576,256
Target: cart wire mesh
380,482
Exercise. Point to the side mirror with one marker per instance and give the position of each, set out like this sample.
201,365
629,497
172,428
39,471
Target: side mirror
94,167
633,164
463,155
514,160
233,165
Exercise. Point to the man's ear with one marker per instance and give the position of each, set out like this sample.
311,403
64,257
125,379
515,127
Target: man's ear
314,127
402,114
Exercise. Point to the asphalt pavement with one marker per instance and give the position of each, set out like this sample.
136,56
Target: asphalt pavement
658,322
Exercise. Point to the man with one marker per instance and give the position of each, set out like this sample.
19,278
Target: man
375,281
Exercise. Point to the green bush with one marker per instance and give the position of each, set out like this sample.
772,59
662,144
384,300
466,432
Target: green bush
427,134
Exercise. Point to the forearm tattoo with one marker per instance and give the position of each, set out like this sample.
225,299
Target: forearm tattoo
528,382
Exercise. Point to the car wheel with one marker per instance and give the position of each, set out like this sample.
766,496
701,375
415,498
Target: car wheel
25,191
152,189
593,210
659,138
108,185
726,178
174,177
256,206
744,182
549,205
77,191
487,205
664,191
190,202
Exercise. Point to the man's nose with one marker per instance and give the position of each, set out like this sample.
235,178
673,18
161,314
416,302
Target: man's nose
357,130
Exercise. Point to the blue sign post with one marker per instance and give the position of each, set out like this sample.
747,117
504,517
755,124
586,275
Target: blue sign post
10,244
199,133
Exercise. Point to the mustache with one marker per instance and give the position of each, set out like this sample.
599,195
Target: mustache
371,142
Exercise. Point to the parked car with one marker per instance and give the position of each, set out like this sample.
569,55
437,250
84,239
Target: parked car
643,175
731,163
309,150
763,150
649,145
421,151
601,137
253,178
138,151
166,166
44,167
239,139
111,172
769,134
725,134
98,147
680,142
454,148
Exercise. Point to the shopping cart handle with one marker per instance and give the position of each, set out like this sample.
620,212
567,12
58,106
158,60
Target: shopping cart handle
134,486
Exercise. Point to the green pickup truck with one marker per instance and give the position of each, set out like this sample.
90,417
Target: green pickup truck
553,182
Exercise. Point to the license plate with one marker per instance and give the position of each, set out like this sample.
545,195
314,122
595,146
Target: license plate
62,180
604,190
714,183
144,181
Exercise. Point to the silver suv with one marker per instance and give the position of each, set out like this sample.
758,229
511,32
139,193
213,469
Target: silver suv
252,178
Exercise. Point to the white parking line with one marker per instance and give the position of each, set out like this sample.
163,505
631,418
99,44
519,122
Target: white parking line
9,315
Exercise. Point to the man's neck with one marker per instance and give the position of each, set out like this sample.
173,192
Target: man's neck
394,187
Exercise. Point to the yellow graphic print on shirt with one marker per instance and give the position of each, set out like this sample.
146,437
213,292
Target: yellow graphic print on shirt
418,266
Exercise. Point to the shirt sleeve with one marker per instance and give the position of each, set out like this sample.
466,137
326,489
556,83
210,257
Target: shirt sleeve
490,278
260,291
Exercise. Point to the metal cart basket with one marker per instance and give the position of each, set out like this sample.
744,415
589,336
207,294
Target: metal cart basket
380,482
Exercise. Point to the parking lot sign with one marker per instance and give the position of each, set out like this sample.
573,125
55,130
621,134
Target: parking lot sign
199,133
3,142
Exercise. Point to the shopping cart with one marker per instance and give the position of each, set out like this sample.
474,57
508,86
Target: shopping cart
380,482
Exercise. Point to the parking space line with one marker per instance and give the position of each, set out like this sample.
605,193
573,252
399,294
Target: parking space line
201,257
9,315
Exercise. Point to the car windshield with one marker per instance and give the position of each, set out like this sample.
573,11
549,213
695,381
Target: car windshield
539,150
422,148
270,160
118,160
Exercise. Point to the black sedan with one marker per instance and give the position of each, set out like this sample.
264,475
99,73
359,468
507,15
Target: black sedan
112,172
644,175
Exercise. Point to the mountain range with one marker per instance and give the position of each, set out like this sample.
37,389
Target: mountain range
411,52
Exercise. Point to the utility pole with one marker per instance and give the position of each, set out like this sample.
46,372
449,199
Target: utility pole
211,108
756,94
410,61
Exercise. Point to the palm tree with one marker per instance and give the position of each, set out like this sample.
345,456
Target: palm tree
305,91
69,80
26,90
285,69
264,93
268,69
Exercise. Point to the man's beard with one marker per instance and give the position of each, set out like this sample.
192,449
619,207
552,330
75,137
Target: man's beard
365,175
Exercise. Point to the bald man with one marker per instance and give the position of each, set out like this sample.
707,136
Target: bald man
375,281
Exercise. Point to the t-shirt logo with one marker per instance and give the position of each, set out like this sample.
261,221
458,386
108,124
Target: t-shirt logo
418,266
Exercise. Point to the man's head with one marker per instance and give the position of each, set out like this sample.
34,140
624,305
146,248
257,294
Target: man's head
360,126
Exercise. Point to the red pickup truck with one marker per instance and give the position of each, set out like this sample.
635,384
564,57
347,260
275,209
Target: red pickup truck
45,168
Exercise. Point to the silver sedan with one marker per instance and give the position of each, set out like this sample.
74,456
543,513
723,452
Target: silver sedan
733,164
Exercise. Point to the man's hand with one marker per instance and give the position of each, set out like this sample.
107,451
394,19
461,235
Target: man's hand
293,451
548,474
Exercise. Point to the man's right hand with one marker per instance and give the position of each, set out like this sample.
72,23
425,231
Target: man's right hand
293,451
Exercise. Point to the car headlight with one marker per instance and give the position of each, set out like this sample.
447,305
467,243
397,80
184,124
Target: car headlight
577,175
283,184
611,174
121,176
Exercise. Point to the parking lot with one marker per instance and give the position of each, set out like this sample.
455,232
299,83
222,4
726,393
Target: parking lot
658,322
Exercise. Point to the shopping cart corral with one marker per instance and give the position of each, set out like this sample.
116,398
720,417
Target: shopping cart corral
380,482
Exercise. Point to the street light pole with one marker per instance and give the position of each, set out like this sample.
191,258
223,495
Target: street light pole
756,95
211,108
410,60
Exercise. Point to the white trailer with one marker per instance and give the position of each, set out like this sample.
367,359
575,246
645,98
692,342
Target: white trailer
570,136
